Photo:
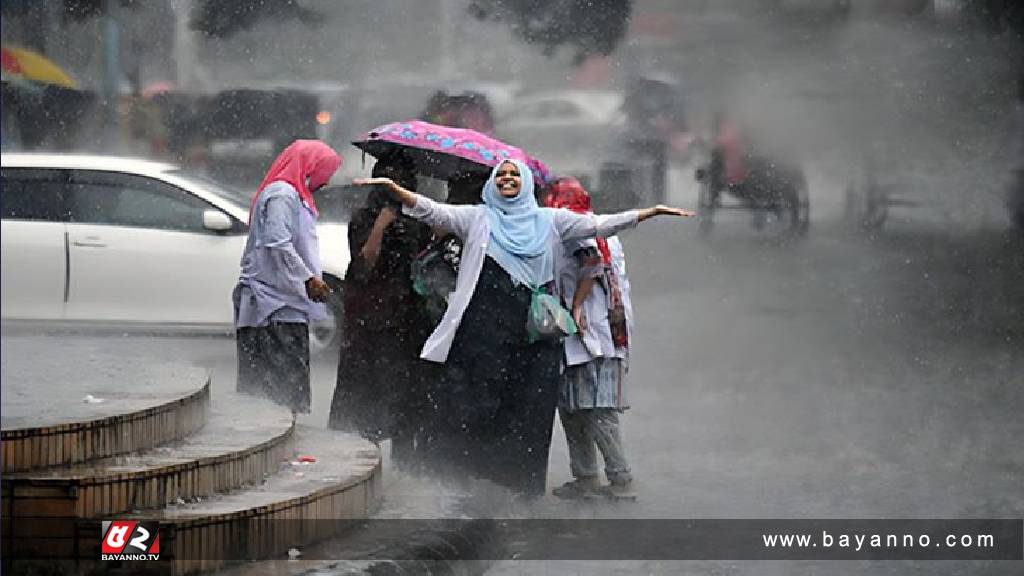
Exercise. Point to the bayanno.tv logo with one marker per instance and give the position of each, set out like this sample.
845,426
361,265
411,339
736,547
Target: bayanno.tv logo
130,540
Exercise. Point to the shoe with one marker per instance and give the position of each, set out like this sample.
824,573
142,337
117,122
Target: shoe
577,489
622,491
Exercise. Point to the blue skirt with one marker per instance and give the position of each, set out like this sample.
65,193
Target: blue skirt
599,383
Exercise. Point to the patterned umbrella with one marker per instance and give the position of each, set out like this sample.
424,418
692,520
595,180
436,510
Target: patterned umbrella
439,151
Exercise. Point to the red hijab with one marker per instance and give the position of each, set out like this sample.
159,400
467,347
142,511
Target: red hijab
301,161
567,192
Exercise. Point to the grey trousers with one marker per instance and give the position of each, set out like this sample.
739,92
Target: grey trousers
585,429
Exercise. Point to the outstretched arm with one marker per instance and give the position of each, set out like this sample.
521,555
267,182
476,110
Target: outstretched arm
572,225
406,197
662,210
457,219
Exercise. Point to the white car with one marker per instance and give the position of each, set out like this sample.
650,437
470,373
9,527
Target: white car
123,241
572,131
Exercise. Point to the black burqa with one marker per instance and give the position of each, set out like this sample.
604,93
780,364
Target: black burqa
378,392
493,401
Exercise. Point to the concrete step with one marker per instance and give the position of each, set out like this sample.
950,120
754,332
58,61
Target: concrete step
244,441
57,413
297,506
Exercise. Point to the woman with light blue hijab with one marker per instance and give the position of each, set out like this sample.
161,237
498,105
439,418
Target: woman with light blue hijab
519,229
496,403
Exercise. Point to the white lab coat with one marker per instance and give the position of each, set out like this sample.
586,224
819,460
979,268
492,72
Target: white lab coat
470,222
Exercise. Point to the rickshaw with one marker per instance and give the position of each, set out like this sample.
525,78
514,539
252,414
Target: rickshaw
775,192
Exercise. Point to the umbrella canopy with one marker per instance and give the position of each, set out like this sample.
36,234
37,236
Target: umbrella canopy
28,65
438,151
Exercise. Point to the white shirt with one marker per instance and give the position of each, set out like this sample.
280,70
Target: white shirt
470,222
596,341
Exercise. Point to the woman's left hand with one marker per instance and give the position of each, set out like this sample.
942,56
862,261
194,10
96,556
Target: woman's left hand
662,210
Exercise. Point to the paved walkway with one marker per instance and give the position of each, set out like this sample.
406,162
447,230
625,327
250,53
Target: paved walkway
48,381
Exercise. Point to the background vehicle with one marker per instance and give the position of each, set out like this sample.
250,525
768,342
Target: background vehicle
235,134
772,188
873,190
616,144
247,128
124,241
572,131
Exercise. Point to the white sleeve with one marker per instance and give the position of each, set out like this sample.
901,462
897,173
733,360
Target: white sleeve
571,225
455,219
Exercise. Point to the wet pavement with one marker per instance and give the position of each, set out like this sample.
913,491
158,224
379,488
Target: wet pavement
837,378
48,382
231,427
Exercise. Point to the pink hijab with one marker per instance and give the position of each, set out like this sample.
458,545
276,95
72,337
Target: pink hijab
301,161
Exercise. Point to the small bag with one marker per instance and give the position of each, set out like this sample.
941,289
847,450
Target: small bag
434,273
547,319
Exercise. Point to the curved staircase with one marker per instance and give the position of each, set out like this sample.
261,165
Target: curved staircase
218,474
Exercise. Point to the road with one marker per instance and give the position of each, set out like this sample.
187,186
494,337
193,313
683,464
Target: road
835,378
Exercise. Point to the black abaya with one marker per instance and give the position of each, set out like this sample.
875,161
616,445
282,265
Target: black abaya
495,402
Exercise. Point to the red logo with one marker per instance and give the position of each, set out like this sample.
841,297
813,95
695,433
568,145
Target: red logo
130,540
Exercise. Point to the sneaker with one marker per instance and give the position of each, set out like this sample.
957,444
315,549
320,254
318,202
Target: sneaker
577,489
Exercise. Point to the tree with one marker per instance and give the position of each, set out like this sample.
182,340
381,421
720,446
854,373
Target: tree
589,27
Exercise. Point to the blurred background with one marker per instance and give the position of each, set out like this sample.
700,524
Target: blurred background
920,97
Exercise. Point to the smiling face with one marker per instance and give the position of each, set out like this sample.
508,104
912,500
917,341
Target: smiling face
508,180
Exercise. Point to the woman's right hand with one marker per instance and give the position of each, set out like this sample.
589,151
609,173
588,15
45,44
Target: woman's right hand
382,180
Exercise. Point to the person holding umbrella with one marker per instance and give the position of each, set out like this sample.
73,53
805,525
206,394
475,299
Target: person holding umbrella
499,393
378,392
279,290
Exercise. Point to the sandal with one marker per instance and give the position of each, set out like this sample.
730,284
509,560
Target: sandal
576,490
617,491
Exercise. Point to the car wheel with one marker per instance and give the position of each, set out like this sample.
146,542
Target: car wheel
325,335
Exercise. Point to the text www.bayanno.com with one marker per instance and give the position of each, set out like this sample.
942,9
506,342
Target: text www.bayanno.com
859,542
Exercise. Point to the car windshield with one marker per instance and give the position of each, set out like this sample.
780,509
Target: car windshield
233,194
